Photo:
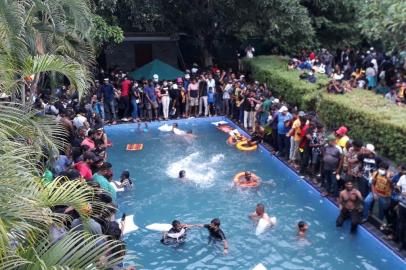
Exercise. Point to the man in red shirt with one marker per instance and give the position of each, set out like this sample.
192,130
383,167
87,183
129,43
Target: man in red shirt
84,166
125,99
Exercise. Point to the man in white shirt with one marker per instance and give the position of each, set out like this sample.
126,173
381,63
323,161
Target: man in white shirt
80,120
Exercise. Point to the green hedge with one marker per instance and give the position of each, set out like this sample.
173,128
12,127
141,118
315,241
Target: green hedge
369,117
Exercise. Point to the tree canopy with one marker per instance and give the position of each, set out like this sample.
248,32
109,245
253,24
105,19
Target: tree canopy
284,25
384,21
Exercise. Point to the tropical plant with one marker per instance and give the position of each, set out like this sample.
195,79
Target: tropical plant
37,38
384,21
25,210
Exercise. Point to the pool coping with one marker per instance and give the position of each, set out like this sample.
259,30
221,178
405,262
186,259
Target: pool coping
307,182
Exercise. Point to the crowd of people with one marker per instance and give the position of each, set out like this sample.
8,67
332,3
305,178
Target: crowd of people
348,170
349,69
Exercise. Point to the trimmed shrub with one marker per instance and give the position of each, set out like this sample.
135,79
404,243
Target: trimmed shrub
368,116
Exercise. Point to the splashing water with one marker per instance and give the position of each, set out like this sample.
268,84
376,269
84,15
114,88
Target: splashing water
198,169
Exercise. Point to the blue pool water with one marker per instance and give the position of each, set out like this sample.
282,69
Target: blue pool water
210,163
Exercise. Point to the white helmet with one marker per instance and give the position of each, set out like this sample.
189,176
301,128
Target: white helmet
155,77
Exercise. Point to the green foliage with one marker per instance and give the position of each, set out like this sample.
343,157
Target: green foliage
25,211
284,83
368,116
105,33
42,37
285,24
333,21
384,21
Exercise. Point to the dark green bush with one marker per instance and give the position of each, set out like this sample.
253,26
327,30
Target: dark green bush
368,116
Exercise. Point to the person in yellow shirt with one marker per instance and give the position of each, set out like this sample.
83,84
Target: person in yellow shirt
295,137
402,92
341,137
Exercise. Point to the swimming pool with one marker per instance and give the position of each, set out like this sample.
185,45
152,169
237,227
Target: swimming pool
211,164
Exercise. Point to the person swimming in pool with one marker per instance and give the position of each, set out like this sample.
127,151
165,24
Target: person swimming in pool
215,233
260,213
248,177
125,181
176,235
182,174
176,130
302,228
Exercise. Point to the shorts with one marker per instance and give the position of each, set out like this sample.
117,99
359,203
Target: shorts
194,101
153,103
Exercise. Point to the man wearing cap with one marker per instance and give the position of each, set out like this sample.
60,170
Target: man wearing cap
102,178
151,101
108,99
284,118
369,164
342,138
332,162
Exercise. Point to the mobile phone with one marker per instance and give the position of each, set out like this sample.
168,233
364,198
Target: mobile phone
123,217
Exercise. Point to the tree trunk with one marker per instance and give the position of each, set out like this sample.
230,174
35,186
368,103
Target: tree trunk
207,57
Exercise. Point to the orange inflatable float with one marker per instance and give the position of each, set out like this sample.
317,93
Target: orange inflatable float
236,138
135,147
240,180
244,146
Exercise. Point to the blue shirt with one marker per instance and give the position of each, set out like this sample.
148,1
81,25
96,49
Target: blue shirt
210,97
150,91
395,179
61,164
281,123
107,91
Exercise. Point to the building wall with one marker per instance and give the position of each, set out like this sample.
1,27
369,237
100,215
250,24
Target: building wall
123,55
166,52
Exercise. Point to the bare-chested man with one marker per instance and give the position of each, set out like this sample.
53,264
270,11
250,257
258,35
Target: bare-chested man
350,203
258,135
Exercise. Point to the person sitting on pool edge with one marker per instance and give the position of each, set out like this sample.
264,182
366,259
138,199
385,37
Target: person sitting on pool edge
260,213
176,235
215,233
302,228
258,135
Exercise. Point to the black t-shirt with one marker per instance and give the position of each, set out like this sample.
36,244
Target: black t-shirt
203,88
216,234
247,105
